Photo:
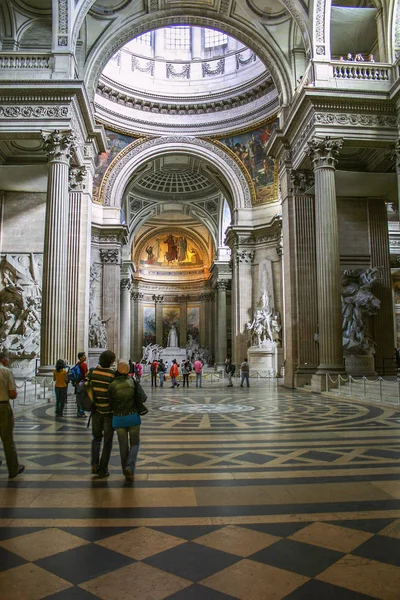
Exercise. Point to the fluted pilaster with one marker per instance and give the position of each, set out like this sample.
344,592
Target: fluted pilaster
125,323
183,301
243,309
136,342
54,342
323,153
383,321
110,258
221,287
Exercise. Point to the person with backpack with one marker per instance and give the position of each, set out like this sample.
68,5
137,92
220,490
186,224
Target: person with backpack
186,370
60,376
244,373
162,369
154,371
230,369
100,378
173,373
127,408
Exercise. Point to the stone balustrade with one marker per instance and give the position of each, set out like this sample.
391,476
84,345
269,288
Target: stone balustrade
36,65
346,75
361,71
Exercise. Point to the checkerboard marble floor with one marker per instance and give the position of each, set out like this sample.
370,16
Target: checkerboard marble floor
276,494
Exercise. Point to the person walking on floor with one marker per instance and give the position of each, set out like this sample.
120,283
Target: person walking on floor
198,367
138,370
244,373
60,376
230,369
8,391
126,418
162,369
173,373
186,370
83,369
100,378
154,371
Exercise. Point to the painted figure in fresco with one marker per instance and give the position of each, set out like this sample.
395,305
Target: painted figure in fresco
182,249
156,250
195,257
172,253
150,255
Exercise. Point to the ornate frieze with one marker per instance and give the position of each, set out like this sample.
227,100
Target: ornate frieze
208,70
241,62
172,72
62,23
158,298
148,67
109,256
355,119
25,111
77,179
324,152
59,145
136,296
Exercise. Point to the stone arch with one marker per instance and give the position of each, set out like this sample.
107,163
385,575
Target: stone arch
133,27
120,170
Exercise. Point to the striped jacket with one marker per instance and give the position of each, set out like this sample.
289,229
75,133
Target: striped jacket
100,379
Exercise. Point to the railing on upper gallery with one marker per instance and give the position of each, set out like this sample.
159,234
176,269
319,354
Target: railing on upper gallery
361,71
376,390
25,60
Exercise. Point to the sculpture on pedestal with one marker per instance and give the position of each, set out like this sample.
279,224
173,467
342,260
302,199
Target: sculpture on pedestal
266,325
97,327
358,304
173,338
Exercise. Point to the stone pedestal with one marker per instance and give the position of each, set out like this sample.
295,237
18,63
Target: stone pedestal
265,360
93,356
170,353
359,366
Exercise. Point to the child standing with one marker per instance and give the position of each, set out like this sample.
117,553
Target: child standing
60,376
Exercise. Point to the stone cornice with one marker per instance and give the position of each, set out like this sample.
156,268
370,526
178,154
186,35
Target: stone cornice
50,94
110,234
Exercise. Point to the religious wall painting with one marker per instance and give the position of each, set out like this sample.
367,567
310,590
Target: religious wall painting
115,143
149,325
171,318
193,322
250,147
172,250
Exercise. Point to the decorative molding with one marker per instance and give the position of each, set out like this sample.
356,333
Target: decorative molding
158,298
109,256
136,296
320,23
59,145
34,112
62,23
397,32
224,6
207,70
220,285
172,73
355,119
394,156
324,152
77,177
147,68
25,61
241,62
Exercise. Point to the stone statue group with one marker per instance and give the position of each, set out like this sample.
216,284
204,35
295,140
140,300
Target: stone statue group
194,350
266,325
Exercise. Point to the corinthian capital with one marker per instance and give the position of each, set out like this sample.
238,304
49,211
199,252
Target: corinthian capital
125,284
222,284
76,178
302,181
158,299
109,256
324,152
394,155
59,145
244,256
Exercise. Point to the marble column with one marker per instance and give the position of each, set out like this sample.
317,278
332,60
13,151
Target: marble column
202,319
323,153
59,147
394,155
158,300
125,323
183,301
111,260
221,287
383,321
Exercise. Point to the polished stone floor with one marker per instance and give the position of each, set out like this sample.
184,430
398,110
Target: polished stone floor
256,494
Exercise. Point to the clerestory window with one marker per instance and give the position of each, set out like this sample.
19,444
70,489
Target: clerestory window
177,38
214,39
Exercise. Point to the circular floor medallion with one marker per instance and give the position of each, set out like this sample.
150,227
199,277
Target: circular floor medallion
207,408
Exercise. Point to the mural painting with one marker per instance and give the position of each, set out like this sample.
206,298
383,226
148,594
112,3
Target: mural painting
171,317
249,147
171,250
193,322
149,325
116,143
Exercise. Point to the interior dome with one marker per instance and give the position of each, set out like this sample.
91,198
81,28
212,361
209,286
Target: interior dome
164,77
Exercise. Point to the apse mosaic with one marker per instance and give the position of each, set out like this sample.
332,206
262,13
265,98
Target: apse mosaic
115,142
249,147
172,250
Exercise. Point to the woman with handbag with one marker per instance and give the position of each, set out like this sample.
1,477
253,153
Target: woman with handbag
126,418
